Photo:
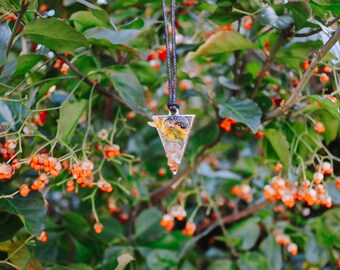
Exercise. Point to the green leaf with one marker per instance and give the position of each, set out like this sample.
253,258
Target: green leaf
315,254
222,265
31,210
331,125
148,222
99,13
23,258
84,20
269,17
112,39
5,35
26,62
272,251
9,225
244,111
222,42
70,114
145,73
128,88
55,35
159,259
301,12
112,230
328,105
75,224
79,266
247,231
280,145
123,261
252,261
330,225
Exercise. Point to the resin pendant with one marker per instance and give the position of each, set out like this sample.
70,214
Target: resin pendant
174,132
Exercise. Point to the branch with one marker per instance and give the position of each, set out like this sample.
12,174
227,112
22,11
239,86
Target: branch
268,61
23,8
293,99
96,86
315,31
237,216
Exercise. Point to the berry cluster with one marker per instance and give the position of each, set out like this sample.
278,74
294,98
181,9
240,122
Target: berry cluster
82,172
6,171
310,192
7,149
227,124
111,151
179,213
284,240
46,163
242,191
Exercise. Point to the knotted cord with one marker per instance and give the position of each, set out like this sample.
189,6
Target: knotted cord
171,67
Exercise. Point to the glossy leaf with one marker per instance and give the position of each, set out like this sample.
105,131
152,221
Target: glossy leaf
5,34
31,210
272,251
280,145
222,42
55,34
84,20
23,258
75,224
244,111
148,222
269,17
247,231
110,38
70,114
99,13
128,88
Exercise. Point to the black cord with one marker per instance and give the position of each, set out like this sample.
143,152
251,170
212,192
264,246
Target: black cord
172,69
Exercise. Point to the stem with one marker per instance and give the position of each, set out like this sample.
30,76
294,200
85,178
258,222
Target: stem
23,8
293,99
268,61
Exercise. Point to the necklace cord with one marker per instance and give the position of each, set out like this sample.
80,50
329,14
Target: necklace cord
171,68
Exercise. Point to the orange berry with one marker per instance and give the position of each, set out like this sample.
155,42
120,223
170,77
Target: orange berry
292,248
337,183
319,127
324,78
327,69
316,70
24,190
259,134
266,46
248,23
189,229
98,227
134,192
306,64
278,167
161,172
167,222
131,115
43,237
43,8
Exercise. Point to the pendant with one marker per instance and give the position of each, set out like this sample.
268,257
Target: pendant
174,132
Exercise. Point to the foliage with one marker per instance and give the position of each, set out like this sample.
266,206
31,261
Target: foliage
83,179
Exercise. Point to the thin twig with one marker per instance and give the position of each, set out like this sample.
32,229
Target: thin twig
293,99
268,61
96,86
23,8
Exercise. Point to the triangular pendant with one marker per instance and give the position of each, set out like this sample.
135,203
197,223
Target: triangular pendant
174,132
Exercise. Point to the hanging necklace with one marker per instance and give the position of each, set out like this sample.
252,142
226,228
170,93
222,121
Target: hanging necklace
173,129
